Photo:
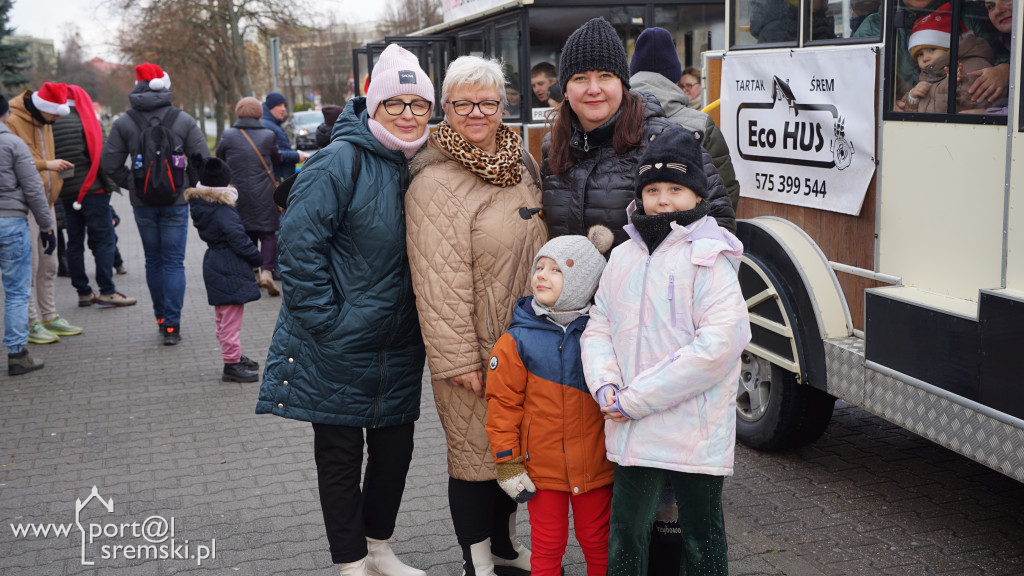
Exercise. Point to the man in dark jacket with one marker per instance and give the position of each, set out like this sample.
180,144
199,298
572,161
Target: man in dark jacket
78,138
275,110
163,229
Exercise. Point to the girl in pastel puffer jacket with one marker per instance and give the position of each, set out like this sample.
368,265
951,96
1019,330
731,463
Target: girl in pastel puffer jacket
661,356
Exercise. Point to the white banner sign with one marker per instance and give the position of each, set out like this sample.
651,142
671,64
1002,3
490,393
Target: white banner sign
455,9
801,125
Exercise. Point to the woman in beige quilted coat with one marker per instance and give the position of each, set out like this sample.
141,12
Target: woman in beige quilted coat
472,232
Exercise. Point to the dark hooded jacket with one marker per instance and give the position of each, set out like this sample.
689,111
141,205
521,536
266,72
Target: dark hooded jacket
254,184
124,136
347,348
230,254
599,187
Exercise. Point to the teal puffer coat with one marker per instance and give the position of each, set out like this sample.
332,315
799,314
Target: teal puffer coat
347,348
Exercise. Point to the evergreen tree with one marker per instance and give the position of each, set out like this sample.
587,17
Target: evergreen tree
14,62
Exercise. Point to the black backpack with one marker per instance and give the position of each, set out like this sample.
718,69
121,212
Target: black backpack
158,163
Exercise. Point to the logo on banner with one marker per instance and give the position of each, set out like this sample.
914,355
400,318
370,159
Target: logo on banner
785,131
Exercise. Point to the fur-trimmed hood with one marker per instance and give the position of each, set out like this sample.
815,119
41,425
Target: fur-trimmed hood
430,154
226,195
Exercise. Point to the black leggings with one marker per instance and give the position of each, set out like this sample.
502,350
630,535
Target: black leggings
350,515
481,510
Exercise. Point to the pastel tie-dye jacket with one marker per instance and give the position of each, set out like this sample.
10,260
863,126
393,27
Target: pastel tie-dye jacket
667,329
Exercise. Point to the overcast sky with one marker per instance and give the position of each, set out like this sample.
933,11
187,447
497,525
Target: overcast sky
51,19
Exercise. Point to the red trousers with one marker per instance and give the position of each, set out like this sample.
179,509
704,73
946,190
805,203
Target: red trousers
549,529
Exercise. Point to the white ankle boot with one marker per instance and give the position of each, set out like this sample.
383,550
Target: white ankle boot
520,562
381,561
357,568
480,552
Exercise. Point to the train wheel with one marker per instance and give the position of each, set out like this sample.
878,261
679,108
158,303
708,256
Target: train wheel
774,409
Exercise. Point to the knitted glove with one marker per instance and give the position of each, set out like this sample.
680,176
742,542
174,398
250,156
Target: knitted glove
513,480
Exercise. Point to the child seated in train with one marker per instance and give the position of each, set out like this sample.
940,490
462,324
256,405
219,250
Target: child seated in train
929,47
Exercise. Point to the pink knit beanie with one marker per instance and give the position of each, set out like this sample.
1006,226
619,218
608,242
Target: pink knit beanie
397,72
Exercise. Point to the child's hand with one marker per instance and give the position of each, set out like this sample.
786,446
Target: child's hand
471,381
514,481
921,90
609,402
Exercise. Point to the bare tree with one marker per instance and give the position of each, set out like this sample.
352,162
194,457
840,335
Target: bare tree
405,16
205,41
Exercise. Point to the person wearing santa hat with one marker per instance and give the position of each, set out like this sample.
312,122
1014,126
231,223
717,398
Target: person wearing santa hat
85,198
163,229
32,118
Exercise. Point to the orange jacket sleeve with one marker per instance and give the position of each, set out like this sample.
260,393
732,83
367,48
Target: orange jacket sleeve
506,391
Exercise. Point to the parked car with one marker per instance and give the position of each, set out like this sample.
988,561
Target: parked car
301,128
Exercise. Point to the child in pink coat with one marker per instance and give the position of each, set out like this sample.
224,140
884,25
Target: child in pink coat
661,356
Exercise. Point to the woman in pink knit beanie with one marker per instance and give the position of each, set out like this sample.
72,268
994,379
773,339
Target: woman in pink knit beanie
347,355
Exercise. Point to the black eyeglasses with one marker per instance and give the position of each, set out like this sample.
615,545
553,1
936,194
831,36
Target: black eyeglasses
397,107
465,107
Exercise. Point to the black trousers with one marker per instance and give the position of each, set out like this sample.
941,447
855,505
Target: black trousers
351,514
481,510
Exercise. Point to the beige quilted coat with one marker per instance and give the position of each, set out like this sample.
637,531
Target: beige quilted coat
471,256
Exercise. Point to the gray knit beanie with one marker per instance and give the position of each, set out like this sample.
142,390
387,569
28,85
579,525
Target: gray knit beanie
581,260
593,46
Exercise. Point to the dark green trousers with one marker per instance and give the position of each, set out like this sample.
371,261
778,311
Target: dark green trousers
635,498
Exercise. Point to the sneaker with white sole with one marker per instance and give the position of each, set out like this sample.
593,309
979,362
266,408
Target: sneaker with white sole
60,327
115,299
39,335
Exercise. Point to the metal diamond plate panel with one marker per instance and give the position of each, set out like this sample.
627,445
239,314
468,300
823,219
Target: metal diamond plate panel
995,444
844,360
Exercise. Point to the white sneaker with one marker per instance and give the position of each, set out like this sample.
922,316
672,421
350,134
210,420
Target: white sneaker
381,561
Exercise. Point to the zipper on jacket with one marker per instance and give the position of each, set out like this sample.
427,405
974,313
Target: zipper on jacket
586,145
640,321
487,312
383,357
671,298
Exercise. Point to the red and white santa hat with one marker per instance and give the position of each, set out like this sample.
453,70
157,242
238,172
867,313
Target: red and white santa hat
932,30
52,99
154,75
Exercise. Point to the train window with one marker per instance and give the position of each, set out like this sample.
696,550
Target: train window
696,29
549,27
923,79
767,22
507,50
777,22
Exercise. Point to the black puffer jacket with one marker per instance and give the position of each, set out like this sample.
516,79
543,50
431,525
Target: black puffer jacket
256,204
599,187
69,144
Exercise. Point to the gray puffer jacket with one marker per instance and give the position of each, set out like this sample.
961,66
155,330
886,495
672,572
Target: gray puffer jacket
124,136
675,102
21,187
599,187
249,175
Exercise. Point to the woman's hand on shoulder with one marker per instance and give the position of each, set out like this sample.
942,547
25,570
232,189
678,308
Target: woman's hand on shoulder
989,83
471,381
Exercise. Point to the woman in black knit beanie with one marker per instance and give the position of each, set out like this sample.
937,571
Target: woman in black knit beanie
598,134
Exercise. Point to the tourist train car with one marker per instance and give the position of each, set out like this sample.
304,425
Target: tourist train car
882,218
525,33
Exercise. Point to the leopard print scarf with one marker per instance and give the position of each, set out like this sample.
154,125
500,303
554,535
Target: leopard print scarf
501,169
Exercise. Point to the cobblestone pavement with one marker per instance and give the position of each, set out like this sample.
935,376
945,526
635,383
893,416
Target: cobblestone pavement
159,435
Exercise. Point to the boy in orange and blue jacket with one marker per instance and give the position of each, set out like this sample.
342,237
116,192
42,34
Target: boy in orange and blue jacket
546,431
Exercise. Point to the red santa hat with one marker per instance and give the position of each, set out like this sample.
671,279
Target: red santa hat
52,99
932,30
154,75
